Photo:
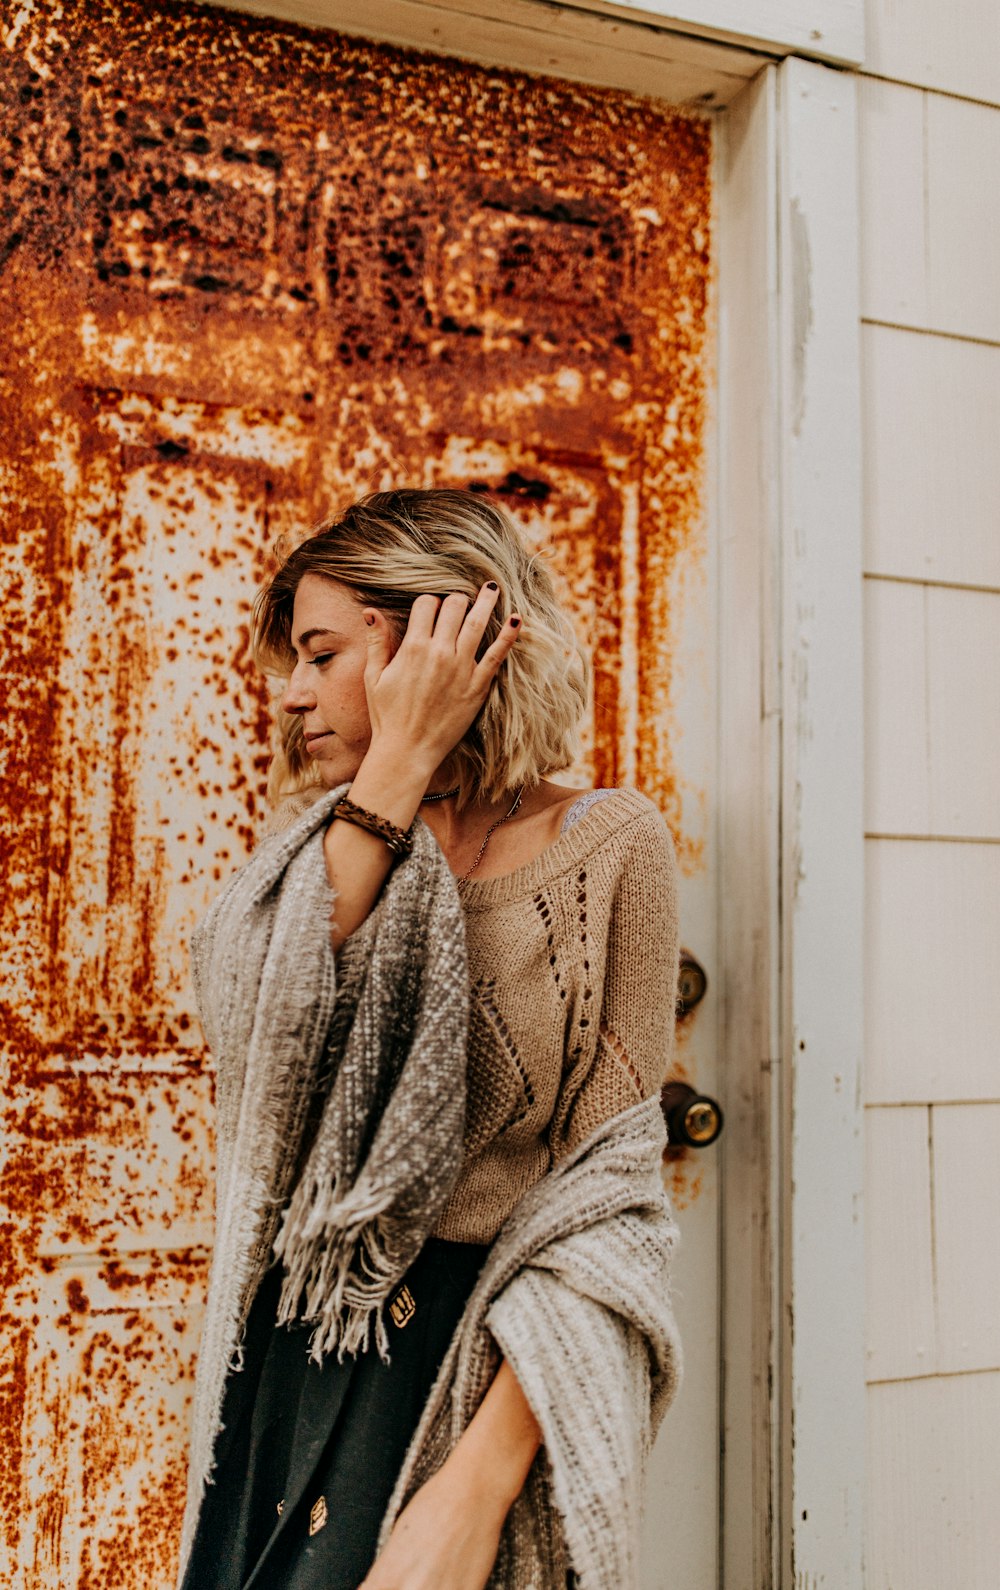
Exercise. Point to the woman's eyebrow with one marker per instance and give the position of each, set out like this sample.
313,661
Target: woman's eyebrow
313,634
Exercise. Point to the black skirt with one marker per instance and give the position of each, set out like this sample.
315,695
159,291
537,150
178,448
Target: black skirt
309,1453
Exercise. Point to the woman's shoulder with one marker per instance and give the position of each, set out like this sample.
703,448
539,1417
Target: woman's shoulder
621,821
629,807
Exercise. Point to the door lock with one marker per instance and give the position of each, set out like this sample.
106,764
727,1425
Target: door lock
691,983
693,1119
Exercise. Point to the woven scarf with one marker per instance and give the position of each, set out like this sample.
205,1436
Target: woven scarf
340,1096
575,1294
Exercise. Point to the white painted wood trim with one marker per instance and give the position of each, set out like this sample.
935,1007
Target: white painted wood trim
537,36
822,848
829,30
548,35
749,834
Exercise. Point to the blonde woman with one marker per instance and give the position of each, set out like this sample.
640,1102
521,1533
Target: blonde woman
441,997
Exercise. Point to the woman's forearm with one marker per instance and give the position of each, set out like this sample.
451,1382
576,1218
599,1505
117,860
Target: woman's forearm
358,862
447,1535
491,1461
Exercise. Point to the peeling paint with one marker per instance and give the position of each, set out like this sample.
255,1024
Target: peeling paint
802,312
248,271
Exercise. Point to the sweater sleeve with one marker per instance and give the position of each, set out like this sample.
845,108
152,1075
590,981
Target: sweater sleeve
635,1037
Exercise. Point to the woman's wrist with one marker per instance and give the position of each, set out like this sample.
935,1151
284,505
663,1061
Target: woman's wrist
490,1462
484,1490
391,785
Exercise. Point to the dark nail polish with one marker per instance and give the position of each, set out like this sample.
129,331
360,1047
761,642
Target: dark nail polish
515,622
491,585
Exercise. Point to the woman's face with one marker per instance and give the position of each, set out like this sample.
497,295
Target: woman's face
327,688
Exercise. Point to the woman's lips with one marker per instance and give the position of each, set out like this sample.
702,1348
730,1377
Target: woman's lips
314,739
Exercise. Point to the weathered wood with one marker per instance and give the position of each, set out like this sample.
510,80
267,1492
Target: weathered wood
951,47
897,789
822,858
934,1466
535,37
829,30
966,1140
749,777
963,712
932,444
963,217
930,194
901,1339
932,721
893,270
932,949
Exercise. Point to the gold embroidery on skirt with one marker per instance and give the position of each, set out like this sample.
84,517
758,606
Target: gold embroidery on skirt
402,1307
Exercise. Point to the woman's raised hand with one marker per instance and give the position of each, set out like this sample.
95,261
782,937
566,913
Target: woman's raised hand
423,700
420,704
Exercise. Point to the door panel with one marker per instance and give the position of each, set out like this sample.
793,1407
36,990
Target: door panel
250,272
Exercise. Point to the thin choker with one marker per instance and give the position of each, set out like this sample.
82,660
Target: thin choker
443,796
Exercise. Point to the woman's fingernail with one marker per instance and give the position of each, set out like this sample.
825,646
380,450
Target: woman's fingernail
515,622
491,585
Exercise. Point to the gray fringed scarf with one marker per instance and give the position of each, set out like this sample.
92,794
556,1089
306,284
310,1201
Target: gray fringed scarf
341,1093
575,1294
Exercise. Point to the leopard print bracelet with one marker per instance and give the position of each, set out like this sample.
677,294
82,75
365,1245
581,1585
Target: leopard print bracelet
399,840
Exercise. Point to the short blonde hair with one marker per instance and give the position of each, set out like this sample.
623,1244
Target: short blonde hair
390,547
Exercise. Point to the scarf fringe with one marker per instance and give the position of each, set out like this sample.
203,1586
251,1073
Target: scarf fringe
341,1262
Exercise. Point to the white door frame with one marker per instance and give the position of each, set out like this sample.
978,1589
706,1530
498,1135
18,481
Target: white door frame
788,447
791,849
822,855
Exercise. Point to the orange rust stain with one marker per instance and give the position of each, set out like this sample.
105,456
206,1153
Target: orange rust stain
248,271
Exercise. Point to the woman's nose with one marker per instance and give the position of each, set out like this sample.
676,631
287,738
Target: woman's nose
298,696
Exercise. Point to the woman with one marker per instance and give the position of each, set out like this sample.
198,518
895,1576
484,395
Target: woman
437,1340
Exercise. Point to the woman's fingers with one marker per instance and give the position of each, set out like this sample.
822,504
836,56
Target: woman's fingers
453,614
454,621
476,620
420,624
494,655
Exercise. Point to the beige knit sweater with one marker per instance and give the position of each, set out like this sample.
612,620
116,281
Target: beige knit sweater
573,965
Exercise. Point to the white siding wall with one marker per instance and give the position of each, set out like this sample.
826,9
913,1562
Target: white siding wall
930,187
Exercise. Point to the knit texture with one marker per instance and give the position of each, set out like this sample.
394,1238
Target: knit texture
575,1294
573,979
340,1096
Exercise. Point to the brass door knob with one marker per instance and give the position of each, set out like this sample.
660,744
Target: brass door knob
693,1119
691,983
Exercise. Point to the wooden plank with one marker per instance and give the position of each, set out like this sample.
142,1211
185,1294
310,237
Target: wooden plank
897,775
932,481
899,1279
822,805
828,30
893,263
749,781
932,948
932,711
963,217
934,1477
963,674
966,1140
955,48
930,198
535,37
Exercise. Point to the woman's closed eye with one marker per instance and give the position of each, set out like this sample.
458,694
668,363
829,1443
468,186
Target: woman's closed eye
324,657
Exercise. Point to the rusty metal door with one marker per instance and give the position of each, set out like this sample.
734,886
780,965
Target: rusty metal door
247,272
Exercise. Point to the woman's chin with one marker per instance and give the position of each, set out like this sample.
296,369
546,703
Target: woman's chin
331,775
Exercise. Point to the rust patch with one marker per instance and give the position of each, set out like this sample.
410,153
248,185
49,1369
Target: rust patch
248,271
